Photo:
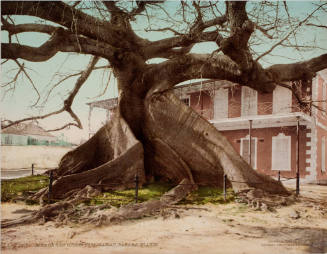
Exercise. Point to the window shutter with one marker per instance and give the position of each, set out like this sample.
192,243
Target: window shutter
281,152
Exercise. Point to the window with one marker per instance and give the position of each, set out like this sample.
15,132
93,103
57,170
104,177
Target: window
249,101
245,150
324,98
221,104
282,100
281,152
186,100
323,154
8,140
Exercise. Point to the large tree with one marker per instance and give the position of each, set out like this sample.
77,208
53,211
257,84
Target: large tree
153,134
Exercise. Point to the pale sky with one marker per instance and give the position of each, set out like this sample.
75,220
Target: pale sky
16,105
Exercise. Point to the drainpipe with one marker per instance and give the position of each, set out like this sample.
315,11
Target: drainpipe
250,142
298,156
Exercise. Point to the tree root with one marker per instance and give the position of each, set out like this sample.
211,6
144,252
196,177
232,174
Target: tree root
263,201
66,211
54,211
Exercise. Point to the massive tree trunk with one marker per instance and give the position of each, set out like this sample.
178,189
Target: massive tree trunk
156,136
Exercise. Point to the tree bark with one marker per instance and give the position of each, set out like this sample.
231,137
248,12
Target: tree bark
159,138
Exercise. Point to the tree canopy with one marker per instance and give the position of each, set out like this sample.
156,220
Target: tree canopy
232,40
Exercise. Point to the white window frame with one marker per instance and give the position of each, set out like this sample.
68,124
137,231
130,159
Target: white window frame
255,100
255,148
183,97
278,92
324,98
323,154
273,155
224,104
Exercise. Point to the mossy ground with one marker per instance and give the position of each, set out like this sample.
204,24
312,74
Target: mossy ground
21,187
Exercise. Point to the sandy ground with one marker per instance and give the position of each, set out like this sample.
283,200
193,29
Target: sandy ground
230,228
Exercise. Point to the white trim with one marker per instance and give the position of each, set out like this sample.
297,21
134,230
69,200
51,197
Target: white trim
282,100
307,160
273,155
255,148
253,100
324,98
261,121
323,154
308,152
323,75
319,124
220,103
186,96
308,143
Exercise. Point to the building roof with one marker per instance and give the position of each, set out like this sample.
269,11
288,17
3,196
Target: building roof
181,89
27,129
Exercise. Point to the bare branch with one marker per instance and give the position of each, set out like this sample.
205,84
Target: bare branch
68,102
71,76
22,68
22,28
288,34
320,26
61,40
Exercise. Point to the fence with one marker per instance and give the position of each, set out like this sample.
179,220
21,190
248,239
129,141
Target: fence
136,184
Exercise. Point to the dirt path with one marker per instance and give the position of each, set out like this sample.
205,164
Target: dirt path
231,228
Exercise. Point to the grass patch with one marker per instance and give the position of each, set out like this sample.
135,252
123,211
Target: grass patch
14,188
22,187
205,195
201,196
124,197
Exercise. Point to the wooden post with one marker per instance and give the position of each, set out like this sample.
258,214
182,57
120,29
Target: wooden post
278,175
224,186
32,169
136,188
250,143
50,186
298,156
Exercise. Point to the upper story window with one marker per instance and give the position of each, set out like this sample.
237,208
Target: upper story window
323,154
324,98
187,100
220,104
249,101
282,100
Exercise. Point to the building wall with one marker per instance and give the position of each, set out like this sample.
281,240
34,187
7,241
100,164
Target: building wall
265,103
202,103
321,128
12,139
234,102
264,147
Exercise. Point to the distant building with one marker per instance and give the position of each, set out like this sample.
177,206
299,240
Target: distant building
24,134
270,119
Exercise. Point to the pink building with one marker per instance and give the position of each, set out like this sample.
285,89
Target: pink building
276,122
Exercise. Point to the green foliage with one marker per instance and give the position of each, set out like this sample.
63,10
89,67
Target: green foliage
13,188
124,197
201,196
205,195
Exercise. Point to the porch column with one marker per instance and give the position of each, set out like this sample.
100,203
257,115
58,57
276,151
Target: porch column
298,155
250,142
